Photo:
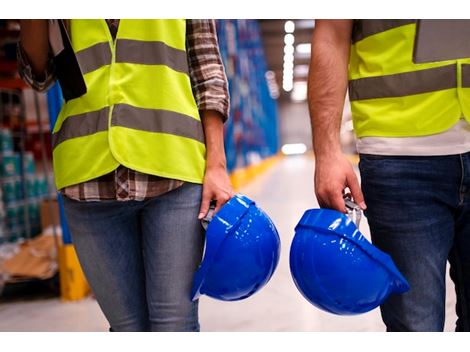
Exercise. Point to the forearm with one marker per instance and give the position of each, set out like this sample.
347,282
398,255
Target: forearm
217,185
328,77
214,137
35,43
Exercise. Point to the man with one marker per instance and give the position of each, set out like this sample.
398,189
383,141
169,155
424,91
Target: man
411,117
139,158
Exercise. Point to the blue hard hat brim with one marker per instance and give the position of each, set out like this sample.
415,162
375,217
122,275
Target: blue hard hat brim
321,226
231,213
197,284
324,220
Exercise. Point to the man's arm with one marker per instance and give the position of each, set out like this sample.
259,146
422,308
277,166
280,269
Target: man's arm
327,84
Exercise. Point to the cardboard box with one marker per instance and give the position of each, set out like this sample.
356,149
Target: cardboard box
36,259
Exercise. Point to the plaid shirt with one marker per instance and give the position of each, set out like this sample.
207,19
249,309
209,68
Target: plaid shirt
210,89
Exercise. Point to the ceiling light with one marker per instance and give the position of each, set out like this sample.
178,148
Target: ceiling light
289,26
301,70
289,39
299,92
303,48
272,84
288,49
287,86
270,75
294,148
305,24
288,66
288,76
288,57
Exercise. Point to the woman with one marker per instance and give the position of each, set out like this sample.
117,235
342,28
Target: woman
138,158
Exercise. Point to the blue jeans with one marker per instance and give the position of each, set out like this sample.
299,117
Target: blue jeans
139,258
418,209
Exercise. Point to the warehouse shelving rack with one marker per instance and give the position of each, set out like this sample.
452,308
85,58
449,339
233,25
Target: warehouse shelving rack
25,177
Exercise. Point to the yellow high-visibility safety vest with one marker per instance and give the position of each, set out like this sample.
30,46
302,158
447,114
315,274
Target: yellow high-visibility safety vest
391,96
139,110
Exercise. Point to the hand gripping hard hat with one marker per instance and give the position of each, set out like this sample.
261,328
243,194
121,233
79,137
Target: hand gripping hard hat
241,253
337,269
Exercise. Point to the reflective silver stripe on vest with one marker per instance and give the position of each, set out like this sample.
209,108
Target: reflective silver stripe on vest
403,84
365,28
81,125
466,75
151,53
153,120
94,57
150,120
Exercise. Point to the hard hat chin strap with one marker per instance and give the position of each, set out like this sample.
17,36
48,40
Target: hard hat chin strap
354,210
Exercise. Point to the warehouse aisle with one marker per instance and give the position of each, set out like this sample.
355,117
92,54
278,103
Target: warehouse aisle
284,192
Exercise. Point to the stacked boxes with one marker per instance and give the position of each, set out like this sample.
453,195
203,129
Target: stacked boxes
22,142
3,234
22,191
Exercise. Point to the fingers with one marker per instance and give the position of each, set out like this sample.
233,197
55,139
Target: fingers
329,191
205,202
336,201
332,179
221,198
331,199
356,191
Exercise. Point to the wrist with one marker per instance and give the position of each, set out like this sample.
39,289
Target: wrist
332,152
216,165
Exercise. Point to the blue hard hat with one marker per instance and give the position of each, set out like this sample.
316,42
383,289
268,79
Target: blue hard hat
337,269
241,253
